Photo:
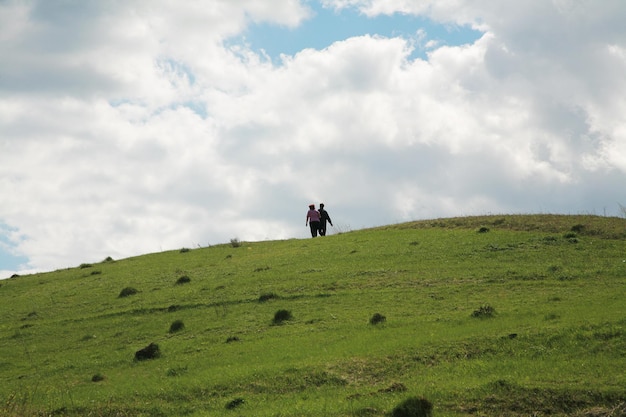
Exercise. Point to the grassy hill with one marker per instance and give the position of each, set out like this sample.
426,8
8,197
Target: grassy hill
478,316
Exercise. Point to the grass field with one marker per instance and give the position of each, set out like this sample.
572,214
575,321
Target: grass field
481,316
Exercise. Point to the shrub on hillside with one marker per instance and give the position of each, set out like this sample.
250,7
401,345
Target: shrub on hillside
151,351
177,326
128,291
281,316
413,407
183,280
377,318
235,243
266,296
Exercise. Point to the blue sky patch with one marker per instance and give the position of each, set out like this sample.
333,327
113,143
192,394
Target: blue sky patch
328,26
8,260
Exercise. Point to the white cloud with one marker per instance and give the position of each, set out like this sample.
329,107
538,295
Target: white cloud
147,132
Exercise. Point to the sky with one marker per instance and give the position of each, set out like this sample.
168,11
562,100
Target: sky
139,126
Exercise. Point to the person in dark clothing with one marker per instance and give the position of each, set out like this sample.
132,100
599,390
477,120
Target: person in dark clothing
313,220
324,217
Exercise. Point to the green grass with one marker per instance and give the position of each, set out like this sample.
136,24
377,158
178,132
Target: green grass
549,338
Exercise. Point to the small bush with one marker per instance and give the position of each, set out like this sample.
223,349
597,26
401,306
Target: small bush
578,228
235,243
177,326
232,339
128,291
185,250
281,316
97,378
151,351
484,311
267,296
413,407
183,280
108,259
377,318
83,266
483,230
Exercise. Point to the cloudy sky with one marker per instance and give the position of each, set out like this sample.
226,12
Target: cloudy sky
136,126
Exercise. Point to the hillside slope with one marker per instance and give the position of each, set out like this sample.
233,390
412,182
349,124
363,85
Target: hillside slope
493,315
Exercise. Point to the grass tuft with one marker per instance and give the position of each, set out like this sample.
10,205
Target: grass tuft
172,372
484,312
237,402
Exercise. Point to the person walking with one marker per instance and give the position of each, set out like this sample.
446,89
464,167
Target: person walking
313,220
324,217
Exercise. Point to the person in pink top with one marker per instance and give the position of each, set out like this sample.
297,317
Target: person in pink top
313,220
